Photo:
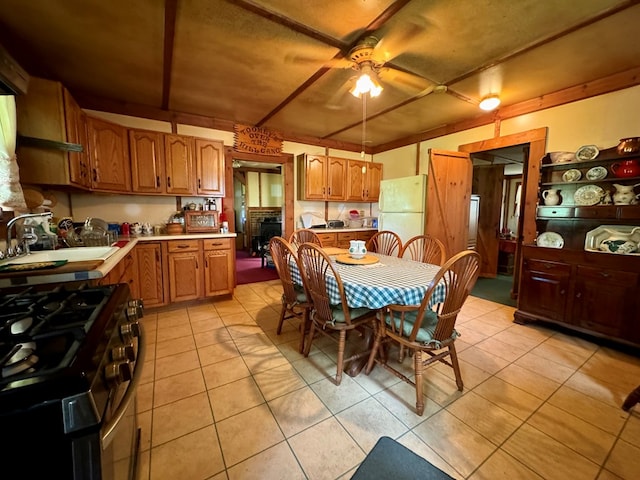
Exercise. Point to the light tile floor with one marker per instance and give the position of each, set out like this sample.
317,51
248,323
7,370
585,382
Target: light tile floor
224,397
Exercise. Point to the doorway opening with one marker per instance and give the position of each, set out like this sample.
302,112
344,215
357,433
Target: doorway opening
505,220
262,192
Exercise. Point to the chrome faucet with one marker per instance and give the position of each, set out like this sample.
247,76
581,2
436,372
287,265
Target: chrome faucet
24,248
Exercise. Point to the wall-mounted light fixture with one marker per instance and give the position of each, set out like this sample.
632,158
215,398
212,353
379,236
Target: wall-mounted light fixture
489,103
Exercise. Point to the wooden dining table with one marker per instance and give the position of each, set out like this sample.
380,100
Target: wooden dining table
389,281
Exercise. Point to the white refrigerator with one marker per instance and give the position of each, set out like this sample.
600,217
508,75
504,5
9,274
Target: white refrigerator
402,205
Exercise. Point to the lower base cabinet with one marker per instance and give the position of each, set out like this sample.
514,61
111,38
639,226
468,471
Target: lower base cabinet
185,274
594,293
219,266
151,272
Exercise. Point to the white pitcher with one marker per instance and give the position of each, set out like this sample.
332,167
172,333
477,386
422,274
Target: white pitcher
551,197
357,248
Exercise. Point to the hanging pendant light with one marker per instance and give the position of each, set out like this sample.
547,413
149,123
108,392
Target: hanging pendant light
367,82
489,103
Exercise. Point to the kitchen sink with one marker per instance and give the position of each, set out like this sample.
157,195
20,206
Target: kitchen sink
75,254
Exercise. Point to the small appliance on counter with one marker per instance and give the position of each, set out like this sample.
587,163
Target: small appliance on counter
335,224
313,219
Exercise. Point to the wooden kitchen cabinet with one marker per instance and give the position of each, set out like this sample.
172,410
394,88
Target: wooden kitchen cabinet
343,239
48,112
219,266
185,270
328,239
146,151
365,234
546,284
151,287
178,153
109,153
363,181
321,177
209,156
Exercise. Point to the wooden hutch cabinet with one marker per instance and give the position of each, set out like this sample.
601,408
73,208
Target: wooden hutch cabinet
568,280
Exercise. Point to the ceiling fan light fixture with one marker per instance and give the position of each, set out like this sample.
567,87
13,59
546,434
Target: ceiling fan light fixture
489,103
366,83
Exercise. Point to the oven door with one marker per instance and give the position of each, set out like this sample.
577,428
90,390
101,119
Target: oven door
120,435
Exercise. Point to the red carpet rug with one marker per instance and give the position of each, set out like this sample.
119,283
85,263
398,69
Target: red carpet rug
248,269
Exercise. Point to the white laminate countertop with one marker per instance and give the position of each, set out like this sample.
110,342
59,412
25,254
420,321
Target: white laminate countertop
108,264
343,230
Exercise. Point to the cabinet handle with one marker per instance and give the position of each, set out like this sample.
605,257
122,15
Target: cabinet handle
579,295
548,266
198,183
206,263
158,181
605,274
169,182
562,292
95,174
197,267
157,257
216,244
183,246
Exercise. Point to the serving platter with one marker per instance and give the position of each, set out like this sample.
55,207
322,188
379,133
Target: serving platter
594,238
597,173
349,260
587,152
588,195
572,175
550,240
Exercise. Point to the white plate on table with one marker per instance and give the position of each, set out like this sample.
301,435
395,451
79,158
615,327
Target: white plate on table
597,173
550,240
572,175
588,195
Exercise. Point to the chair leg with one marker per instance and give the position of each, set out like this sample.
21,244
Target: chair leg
341,346
375,349
456,366
283,312
417,361
304,327
631,400
307,343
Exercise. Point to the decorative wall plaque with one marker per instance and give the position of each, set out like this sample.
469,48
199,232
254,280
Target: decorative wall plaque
257,140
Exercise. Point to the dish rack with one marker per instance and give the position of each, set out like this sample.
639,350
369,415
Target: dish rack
96,233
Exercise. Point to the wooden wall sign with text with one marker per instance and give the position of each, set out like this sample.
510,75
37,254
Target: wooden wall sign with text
257,140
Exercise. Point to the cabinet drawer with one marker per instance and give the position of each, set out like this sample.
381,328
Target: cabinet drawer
555,212
629,211
327,239
217,243
347,236
547,266
616,277
608,211
182,246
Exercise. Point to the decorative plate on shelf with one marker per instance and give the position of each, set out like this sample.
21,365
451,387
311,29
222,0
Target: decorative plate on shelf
588,195
587,152
572,175
597,173
550,240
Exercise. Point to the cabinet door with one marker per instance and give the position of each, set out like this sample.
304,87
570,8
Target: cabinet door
544,288
76,125
209,167
218,271
372,184
355,181
146,150
150,286
185,276
315,175
109,150
344,239
365,235
178,152
605,301
337,178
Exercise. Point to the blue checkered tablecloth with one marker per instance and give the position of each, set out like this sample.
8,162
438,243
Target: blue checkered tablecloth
390,281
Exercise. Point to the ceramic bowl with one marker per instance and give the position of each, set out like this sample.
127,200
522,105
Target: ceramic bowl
562,157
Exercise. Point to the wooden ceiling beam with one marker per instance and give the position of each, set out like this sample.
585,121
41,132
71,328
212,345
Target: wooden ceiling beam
170,14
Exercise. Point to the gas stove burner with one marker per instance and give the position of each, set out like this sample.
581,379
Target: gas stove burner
19,359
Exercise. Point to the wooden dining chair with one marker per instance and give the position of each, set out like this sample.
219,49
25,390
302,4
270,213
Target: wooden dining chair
332,321
304,235
425,249
295,301
385,242
428,328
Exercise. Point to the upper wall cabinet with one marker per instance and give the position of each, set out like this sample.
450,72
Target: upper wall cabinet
209,167
109,150
146,151
321,178
178,152
49,113
363,181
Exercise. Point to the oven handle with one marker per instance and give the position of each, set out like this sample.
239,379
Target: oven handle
129,394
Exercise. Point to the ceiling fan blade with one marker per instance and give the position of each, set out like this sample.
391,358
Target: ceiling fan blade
405,80
395,42
341,95
320,62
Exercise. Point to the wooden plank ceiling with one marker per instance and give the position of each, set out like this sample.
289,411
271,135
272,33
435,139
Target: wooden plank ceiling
281,64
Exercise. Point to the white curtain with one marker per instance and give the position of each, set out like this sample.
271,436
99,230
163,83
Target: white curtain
11,196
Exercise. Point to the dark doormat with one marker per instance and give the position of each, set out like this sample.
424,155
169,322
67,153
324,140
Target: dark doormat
389,460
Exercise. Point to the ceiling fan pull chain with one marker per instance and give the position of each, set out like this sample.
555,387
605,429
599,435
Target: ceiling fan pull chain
364,122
